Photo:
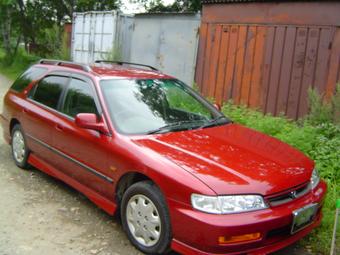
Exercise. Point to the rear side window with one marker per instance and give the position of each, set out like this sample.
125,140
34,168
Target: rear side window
49,90
79,99
27,77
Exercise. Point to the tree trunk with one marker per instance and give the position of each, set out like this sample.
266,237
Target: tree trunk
17,45
26,26
6,31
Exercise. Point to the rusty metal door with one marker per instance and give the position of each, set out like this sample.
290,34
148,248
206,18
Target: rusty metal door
269,67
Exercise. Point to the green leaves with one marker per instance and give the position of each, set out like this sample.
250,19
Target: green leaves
33,22
322,109
176,6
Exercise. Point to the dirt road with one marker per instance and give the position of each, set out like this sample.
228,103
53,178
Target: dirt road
40,215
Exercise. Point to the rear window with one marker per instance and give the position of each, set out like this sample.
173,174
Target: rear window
49,90
27,77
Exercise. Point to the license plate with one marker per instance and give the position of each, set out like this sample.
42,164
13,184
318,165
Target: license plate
303,217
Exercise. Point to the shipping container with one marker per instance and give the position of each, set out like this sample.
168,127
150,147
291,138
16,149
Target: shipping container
167,41
266,54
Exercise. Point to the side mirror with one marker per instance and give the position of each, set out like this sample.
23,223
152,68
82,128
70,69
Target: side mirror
90,121
217,106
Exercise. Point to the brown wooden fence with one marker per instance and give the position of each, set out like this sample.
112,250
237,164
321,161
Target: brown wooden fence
266,58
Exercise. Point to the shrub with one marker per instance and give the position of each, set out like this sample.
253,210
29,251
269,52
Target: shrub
336,105
115,54
18,63
323,110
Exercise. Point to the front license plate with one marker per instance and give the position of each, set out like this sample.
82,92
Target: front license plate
303,217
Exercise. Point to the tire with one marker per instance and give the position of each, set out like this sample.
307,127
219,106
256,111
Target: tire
20,151
145,218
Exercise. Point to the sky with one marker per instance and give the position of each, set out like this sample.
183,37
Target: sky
129,7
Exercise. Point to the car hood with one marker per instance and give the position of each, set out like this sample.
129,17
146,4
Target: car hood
233,159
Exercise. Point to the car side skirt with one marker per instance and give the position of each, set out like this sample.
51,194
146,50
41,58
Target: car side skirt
102,202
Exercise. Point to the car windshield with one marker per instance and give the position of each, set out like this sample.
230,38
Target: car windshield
148,106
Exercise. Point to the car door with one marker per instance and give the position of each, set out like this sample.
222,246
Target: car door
83,153
39,114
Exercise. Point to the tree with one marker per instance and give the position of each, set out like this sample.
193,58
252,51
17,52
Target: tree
64,9
36,20
176,6
8,26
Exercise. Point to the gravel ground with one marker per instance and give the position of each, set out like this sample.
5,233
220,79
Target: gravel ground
41,215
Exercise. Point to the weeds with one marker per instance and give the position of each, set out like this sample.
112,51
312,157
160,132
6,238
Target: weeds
321,110
115,54
15,66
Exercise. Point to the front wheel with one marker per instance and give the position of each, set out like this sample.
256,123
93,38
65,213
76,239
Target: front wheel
145,218
20,151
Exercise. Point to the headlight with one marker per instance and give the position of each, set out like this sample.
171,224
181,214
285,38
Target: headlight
227,204
315,179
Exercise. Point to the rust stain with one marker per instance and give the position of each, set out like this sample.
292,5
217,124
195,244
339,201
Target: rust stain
267,67
267,55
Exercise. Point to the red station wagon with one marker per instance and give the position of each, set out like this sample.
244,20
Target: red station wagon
143,144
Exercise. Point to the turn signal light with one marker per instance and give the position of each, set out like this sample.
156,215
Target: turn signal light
239,239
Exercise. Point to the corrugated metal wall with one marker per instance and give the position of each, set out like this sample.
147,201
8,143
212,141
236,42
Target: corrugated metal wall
266,66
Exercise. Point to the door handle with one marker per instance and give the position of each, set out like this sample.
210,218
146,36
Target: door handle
59,127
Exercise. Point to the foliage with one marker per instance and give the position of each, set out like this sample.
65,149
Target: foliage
9,22
336,105
115,54
19,63
322,110
34,22
177,6
319,140
53,44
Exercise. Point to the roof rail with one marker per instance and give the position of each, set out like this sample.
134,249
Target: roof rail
70,64
125,63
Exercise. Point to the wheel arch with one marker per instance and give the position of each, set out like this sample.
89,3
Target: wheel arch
12,123
128,179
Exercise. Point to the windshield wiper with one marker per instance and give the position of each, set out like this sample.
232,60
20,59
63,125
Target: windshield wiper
168,127
216,121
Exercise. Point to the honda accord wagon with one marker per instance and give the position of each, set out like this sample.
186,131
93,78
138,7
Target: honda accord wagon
181,175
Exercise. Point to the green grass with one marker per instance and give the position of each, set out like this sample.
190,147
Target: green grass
321,142
12,68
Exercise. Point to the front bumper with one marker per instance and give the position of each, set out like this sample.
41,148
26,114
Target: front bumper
198,233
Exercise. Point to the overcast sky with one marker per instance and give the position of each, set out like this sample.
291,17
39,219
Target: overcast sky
129,7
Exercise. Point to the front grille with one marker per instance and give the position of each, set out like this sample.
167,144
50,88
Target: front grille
289,195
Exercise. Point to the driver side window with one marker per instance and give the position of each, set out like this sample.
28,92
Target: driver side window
79,99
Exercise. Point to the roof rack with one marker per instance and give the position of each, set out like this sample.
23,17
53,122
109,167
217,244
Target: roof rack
125,63
55,62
